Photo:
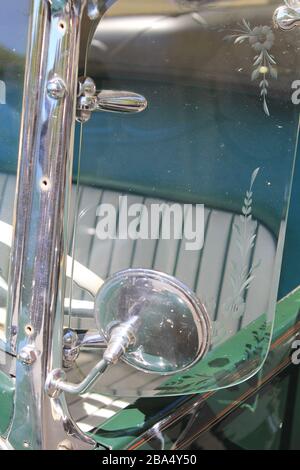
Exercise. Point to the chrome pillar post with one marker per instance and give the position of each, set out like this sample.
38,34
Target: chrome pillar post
38,255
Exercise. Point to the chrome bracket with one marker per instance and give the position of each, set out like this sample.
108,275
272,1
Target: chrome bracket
287,16
89,100
73,342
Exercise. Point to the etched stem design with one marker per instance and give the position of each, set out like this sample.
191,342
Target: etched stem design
245,234
241,274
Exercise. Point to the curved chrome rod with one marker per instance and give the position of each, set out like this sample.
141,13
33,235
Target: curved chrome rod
121,338
55,383
91,340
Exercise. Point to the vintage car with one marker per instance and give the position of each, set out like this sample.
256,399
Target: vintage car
149,276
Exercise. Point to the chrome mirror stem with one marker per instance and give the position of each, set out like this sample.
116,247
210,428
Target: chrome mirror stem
56,383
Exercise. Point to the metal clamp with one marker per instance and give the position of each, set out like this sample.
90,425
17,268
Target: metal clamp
73,342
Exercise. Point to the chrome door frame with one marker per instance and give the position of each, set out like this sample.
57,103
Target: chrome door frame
38,257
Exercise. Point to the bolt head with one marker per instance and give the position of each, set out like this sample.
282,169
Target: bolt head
28,355
56,88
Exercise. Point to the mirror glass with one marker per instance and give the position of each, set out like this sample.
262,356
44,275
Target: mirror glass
171,328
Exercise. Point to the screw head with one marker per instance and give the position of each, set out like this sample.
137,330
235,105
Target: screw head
28,355
56,88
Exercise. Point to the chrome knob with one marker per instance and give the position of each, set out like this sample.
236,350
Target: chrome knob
120,102
287,16
114,101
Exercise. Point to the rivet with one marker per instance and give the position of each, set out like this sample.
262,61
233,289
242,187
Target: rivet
56,88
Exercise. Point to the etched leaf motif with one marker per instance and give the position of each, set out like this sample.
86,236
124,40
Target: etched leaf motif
255,74
253,178
241,275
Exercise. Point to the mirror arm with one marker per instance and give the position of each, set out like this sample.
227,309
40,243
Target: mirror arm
121,338
55,383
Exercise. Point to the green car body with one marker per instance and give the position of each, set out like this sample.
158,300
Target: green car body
175,152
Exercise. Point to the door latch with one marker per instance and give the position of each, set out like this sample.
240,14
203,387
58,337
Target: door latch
287,16
89,99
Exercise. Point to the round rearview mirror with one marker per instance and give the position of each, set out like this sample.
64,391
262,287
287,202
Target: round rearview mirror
168,326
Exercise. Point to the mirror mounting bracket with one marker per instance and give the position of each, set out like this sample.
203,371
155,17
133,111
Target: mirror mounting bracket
90,100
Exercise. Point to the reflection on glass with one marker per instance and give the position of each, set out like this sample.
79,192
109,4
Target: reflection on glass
220,132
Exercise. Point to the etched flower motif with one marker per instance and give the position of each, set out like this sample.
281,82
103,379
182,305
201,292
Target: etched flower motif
262,38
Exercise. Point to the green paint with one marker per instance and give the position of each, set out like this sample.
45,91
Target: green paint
6,401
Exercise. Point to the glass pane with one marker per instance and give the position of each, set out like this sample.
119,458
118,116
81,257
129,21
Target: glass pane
197,186
14,20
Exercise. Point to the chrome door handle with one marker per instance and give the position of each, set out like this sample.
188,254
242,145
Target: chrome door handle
120,101
287,16
89,100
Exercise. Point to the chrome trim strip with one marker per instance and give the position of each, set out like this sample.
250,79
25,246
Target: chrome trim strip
7,363
4,445
37,271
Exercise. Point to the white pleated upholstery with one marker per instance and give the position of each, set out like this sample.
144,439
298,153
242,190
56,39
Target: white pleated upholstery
206,271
